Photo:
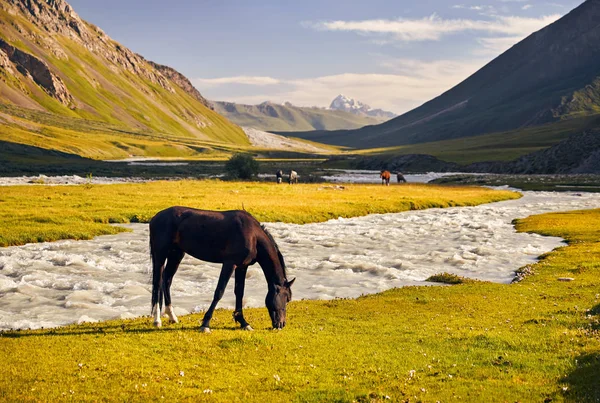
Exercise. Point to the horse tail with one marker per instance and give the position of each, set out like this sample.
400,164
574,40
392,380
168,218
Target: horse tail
157,272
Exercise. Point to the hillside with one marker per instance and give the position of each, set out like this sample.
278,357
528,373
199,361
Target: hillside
60,75
286,118
552,75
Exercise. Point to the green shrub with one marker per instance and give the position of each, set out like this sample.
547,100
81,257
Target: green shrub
241,166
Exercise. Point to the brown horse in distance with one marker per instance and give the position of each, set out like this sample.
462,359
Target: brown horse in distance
233,238
385,177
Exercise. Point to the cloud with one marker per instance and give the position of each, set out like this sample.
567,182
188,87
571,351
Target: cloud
244,80
409,84
434,28
526,7
496,46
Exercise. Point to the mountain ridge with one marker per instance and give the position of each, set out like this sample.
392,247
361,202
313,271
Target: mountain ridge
269,116
53,61
551,75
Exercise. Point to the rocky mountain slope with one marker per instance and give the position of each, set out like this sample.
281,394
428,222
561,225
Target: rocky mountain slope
55,65
343,103
552,75
287,117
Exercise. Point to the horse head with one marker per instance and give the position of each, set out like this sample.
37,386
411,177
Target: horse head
276,301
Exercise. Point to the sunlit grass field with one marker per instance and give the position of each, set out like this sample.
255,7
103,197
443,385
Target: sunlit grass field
48,213
533,341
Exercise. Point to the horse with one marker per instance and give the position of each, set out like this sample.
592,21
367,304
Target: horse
235,239
293,177
279,176
385,177
400,178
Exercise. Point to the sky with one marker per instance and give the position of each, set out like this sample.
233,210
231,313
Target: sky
390,54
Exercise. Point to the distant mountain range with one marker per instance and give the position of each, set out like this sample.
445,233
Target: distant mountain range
344,113
66,85
549,77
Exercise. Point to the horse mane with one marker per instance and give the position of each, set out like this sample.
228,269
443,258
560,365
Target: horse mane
276,248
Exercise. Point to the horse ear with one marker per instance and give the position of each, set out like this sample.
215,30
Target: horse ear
289,283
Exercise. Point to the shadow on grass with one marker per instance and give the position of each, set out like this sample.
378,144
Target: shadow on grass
109,329
583,382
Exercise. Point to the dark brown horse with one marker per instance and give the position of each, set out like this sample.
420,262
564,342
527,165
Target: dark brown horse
385,177
233,238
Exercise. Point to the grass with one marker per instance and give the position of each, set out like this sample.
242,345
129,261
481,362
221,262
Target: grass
503,146
448,278
536,340
48,213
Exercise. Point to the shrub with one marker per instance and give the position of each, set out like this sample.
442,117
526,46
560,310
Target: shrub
241,166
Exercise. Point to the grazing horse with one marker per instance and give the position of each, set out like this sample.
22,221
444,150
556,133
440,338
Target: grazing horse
293,177
385,177
279,176
400,178
233,238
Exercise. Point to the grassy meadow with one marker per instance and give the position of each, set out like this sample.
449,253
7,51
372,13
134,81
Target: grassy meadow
536,340
49,213
502,146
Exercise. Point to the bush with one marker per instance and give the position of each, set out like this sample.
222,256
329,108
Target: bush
241,166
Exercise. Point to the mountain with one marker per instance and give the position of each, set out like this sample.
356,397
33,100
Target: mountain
343,103
551,76
287,117
66,85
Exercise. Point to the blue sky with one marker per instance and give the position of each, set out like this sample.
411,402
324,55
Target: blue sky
390,54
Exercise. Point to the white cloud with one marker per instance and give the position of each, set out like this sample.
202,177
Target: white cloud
434,28
496,46
526,7
245,80
410,83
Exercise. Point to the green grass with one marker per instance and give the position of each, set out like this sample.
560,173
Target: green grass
531,341
48,213
448,278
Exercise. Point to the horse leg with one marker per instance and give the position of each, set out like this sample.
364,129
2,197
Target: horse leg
175,256
240,283
224,277
159,256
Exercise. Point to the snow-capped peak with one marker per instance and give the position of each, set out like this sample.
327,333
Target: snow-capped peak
343,103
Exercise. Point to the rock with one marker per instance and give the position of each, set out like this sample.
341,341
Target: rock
38,71
566,279
182,81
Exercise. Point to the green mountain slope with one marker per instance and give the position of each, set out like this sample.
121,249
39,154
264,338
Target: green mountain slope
53,62
285,118
552,75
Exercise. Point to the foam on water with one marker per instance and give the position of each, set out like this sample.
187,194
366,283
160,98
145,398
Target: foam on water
51,284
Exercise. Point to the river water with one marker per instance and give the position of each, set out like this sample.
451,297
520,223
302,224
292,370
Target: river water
52,284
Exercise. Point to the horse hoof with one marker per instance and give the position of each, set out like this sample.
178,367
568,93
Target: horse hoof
174,320
204,329
248,328
157,323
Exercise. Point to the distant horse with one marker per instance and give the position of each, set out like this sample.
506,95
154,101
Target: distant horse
233,238
385,177
293,177
279,176
400,178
